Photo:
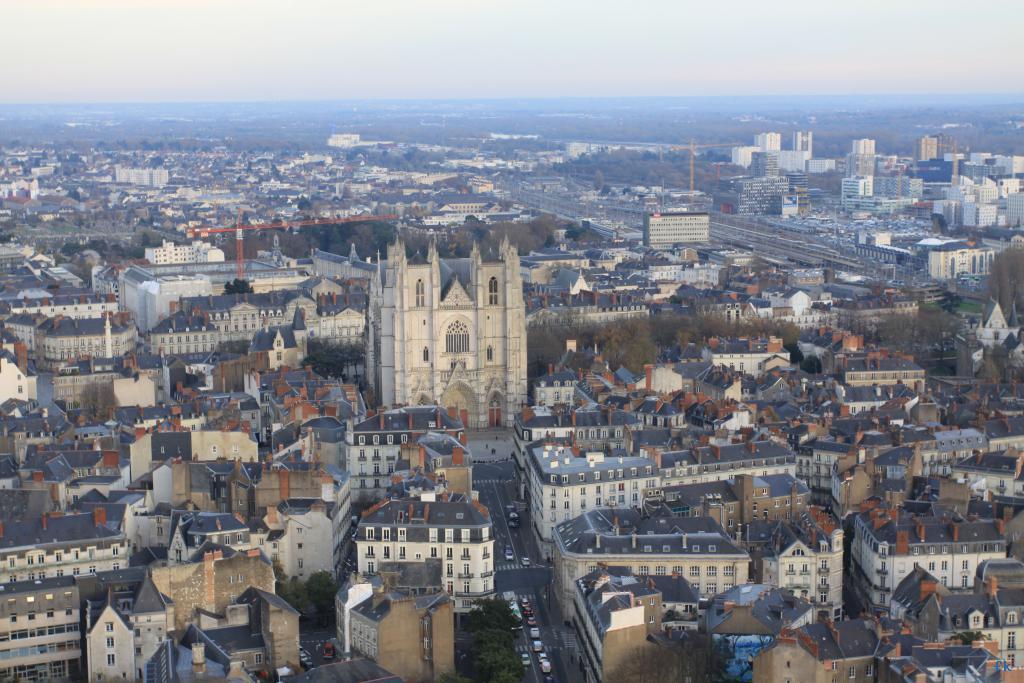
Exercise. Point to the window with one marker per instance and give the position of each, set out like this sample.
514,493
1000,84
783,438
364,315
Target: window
457,338
492,291
110,643
426,355
109,627
110,660
490,354
258,657
419,293
852,673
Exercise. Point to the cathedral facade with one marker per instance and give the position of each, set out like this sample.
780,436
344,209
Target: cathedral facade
450,332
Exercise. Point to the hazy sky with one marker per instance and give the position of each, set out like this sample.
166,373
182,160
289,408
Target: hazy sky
187,50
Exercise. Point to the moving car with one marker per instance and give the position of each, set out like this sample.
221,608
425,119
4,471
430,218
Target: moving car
538,646
525,561
509,555
526,659
535,633
329,650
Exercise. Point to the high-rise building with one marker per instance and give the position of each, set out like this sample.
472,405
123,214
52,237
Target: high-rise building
927,148
803,141
864,146
151,177
760,196
1015,209
861,160
768,142
798,187
764,164
741,155
667,229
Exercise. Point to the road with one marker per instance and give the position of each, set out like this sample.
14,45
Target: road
496,483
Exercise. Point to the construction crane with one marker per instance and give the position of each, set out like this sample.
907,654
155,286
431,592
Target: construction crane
239,229
693,147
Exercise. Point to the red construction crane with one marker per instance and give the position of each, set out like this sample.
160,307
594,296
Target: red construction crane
239,230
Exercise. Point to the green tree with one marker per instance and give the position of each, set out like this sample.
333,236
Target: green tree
321,589
333,360
811,365
968,637
297,595
237,286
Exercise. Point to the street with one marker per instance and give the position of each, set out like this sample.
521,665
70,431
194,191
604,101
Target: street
495,482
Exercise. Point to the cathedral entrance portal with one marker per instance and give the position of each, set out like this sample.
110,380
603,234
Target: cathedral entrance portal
494,411
458,399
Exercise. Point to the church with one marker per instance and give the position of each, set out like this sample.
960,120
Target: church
449,332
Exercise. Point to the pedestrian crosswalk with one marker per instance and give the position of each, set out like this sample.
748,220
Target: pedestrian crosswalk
491,481
506,566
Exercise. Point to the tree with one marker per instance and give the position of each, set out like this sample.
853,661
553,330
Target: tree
97,401
811,365
968,637
490,622
297,595
321,589
452,677
334,360
1006,278
237,286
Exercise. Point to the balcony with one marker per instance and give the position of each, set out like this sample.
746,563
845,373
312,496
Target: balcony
484,575
466,576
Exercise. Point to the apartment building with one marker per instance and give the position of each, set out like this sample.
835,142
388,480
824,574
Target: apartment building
410,635
750,356
61,339
873,369
39,630
68,305
564,483
719,462
696,548
804,555
450,537
889,543
60,545
124,629
194,252
612,616
301,536
373,446
822,652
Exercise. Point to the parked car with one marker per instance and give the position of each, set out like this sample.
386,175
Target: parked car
305,659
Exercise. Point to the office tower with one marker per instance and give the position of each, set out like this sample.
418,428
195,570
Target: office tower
741,155
667,229
764,164
803,141
927,148
798,186
768,142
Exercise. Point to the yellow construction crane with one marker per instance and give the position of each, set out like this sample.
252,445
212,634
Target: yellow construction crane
693,147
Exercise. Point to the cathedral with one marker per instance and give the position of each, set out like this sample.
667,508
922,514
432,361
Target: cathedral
449,332
995,329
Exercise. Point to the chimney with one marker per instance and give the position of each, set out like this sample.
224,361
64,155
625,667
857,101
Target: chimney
928,587
199,658
99,516
45,518
648,372
457,456
283,484
993,587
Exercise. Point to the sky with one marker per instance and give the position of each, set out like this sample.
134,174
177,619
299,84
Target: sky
258,50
